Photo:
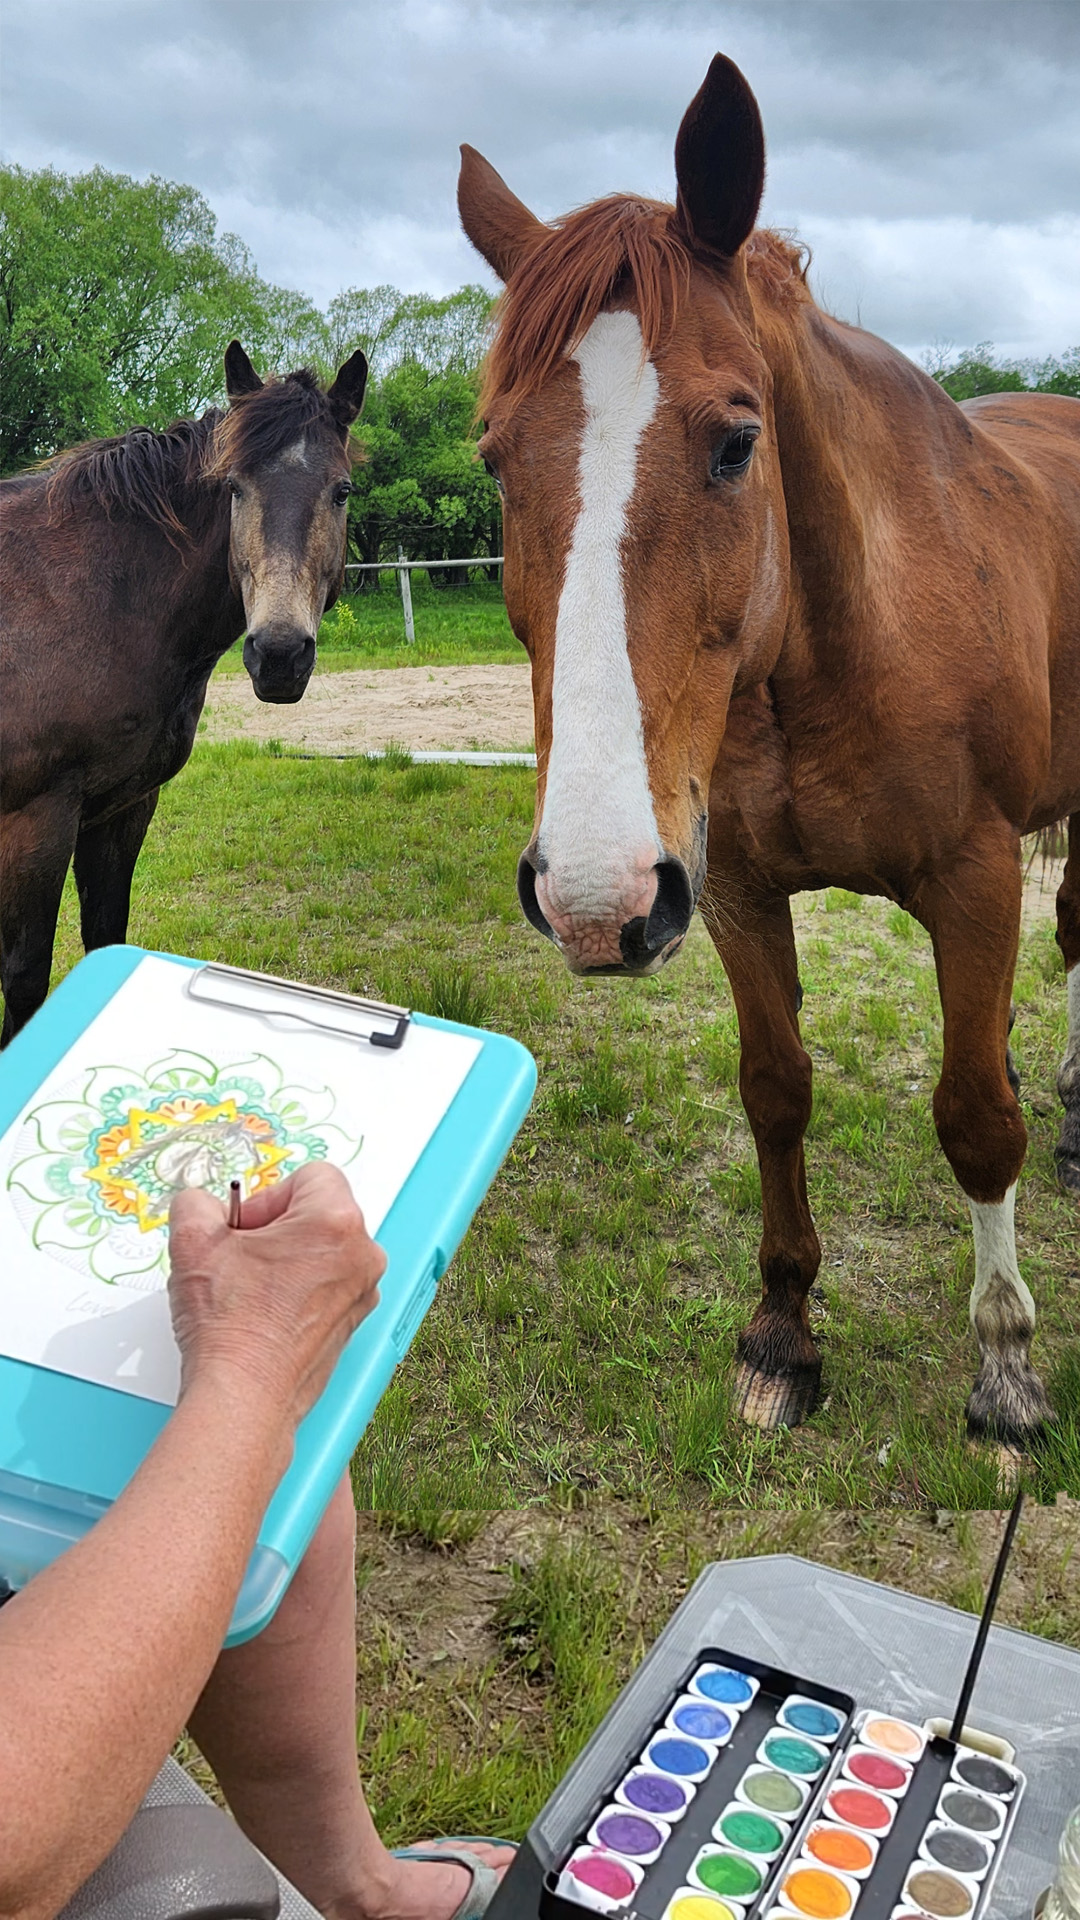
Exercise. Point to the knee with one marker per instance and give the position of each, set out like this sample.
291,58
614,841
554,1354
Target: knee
778,1097
982,1136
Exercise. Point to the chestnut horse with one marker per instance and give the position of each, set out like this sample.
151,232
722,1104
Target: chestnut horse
795,619
129,566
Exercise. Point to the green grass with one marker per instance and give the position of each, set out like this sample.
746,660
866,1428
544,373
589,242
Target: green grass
457,625
491,1645
584,1337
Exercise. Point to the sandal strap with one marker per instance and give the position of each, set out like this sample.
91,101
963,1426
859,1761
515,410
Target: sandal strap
483,1881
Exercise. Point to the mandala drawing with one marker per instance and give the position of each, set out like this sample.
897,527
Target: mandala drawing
93,1169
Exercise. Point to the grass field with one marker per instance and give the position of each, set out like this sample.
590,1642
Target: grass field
583,1340
458,625
492,1644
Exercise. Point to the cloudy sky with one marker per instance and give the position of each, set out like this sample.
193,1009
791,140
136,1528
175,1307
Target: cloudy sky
928,150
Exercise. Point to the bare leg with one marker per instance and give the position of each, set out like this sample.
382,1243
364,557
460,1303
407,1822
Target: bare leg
105,859
973,916
779,1369
1067,1151
277,1722
35,850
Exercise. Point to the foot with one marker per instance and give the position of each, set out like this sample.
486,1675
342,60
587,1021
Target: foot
771,1400
1008,1406
419,1889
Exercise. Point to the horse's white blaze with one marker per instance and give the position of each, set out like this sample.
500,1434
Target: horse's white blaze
598,836
999,1298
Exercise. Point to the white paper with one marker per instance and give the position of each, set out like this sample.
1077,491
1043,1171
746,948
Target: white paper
161,1092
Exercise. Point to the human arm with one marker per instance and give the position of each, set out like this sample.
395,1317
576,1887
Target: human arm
104,1654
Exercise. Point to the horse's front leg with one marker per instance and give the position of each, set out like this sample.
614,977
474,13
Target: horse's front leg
1067,1151
36,843
779,1367
105,857
972,913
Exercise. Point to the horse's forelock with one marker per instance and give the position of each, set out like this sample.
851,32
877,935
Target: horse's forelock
260,426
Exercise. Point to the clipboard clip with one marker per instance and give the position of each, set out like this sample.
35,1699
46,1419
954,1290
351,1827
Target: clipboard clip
286,1003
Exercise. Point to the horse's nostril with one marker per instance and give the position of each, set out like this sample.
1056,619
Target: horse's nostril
672,910
530,905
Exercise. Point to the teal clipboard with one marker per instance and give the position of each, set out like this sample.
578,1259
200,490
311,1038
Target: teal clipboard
68,1447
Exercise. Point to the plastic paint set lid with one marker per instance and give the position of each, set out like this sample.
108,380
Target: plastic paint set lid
758,1834
670,1753
773,1792
975,1812
702,1720
724,1685
818,1893
942,1895
842,1848
949,1846
870,1768
732,1876
860,1807
649,1792
690,1903
635,1836
892,1736
793,1753
986,1775
597,1880
800,1714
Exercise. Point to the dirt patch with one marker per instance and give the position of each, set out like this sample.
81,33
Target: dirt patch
422,708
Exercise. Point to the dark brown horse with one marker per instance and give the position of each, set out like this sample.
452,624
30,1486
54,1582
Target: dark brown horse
129,566
795,619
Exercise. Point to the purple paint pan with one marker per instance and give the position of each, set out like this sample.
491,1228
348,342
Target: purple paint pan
634,1836
649,1792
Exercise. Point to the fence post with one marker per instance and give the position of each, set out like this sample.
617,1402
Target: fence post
406,599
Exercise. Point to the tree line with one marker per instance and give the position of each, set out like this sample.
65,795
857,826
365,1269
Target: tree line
117,298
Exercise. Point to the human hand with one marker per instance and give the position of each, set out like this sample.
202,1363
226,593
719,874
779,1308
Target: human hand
271,1304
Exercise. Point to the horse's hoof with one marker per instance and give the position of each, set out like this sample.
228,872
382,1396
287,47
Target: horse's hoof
1008,1411
1068,1170
772,1400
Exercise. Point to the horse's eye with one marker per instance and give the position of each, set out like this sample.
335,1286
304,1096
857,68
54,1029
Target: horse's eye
494,476
341,493
235,488
730,460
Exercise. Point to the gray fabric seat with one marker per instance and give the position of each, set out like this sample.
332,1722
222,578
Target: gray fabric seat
182,1859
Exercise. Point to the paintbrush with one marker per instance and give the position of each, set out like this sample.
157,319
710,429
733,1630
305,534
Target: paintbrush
234,1203
992,1592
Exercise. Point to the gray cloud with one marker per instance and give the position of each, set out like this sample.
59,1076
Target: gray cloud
930,152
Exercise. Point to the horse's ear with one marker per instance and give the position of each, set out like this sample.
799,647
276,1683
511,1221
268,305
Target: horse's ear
240,375
720,161
346,396
499,225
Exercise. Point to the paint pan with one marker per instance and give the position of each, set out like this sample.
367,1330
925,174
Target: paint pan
702,1720
595,1879
942,1895
870,1768
761,1835
691,1903
817,1893
860,1807
886,1734
732,1876
975,1812
793,1753
684,1759
773,1792
726,1686
799,1714
949,1846
842,1848
637,1837
978,1770
649,1792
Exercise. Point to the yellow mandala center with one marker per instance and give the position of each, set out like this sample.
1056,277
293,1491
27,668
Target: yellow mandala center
176,1143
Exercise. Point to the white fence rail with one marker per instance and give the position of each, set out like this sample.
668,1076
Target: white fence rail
403,568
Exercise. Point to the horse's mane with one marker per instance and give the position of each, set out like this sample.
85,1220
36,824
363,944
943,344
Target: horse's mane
135,475
615,248
260,425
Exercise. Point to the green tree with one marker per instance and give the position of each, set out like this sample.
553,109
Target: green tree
420,485
117,298
448,335
975,371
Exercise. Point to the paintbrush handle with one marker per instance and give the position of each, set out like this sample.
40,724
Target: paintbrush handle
993,1590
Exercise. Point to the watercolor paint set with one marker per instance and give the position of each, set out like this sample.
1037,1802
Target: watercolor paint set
761,1795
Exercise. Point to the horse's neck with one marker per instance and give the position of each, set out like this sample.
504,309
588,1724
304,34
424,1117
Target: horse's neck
203,614
865,443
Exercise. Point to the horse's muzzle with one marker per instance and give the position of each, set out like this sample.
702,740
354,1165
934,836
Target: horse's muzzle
646,942
280,666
